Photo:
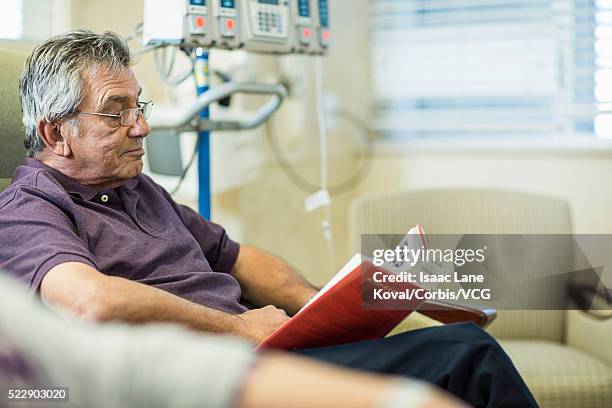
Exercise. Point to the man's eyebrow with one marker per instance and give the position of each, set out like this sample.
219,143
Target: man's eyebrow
119,99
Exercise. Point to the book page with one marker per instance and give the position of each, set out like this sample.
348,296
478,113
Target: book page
346,269
414,239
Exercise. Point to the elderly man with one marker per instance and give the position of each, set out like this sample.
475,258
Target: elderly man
84,228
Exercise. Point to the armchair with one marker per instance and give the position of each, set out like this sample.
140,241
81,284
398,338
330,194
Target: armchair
12,151
564,356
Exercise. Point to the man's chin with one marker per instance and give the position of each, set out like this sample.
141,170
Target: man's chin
135,168
139,167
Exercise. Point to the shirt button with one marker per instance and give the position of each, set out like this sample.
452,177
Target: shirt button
104,198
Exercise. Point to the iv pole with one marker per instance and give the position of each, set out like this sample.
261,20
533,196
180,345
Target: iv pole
201,75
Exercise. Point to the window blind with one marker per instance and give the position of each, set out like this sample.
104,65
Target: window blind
11,26
29,20
491,68
603,75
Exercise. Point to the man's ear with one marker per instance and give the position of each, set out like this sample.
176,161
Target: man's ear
53,137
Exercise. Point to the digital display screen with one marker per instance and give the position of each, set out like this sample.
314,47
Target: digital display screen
323,13
197,2
304,8
228,3
269,2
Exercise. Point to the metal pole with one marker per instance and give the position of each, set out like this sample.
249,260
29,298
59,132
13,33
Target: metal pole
201,75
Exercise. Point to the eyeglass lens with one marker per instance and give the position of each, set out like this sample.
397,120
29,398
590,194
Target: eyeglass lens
130,116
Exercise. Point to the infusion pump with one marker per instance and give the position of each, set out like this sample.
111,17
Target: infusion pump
268,26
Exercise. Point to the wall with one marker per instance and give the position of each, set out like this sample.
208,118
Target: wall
121,17
582,178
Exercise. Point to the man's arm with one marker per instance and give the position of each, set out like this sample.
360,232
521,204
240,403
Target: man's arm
86,292
267,280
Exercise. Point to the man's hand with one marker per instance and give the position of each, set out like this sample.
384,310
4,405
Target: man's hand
257,324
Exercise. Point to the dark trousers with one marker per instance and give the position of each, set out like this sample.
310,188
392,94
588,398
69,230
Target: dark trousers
460,358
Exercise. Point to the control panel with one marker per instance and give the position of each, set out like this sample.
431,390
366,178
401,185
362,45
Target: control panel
266,26
303,33
197,18
322,25
227,22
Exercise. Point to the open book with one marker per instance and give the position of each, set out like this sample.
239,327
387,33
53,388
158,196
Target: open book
336,315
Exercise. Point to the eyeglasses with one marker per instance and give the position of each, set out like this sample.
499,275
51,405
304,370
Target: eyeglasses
128,117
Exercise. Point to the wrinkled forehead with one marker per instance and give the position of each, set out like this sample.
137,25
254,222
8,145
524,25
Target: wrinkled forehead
104,86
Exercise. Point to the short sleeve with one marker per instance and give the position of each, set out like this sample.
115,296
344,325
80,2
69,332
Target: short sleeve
36,235
220,251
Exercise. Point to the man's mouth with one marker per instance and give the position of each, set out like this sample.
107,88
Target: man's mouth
139,151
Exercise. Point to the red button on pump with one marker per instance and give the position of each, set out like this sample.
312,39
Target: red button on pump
307,33
229,24
200,22
326,35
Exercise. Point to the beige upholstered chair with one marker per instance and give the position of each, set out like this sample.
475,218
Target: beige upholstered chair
565,357
12,151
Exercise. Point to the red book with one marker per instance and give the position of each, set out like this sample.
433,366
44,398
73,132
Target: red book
338,315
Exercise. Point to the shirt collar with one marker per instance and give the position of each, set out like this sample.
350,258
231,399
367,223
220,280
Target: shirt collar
71,185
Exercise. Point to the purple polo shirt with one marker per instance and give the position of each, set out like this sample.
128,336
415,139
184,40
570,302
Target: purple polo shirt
135,231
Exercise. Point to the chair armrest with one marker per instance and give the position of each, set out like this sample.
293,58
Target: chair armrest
591,334
452,313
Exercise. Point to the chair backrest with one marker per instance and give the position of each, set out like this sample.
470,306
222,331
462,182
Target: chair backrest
471,212
12,151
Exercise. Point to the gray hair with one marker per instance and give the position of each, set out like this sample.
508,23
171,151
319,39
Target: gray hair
51,85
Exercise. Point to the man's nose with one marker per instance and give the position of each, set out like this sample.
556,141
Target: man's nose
141,128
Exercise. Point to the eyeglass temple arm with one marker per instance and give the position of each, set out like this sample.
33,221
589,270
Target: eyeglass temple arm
190,120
